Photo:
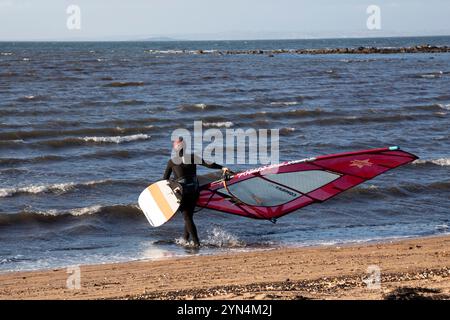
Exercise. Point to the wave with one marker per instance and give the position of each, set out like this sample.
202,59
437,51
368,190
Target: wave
11,142
14,171
14,135
357,60
67,78
439,162
87,140
351,120
121,84
83,229
431,75
119,154
130,102
199,107
50,158
223,124
183,51
292,114
58,188
33,98
115,211
286,101
287,131
26,112
305,113
153,51
233,90
426,107
143,123
118,139
261,123
258,90
374,191
185,82
442,97
444,106
8,74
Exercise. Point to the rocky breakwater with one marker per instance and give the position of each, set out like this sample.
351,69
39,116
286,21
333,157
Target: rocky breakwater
353,50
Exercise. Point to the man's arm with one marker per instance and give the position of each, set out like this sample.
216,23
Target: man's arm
168,171
210,165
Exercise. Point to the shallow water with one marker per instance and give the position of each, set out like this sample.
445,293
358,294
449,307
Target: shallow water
84,127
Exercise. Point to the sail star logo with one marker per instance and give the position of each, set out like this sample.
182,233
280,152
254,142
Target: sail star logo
361,163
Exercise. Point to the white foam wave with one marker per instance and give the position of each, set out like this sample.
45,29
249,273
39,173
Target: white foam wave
225,124
164,51
442,227
444,106
440,162
85,211
58,188
73,212
117,139
284,103
432,75
371,187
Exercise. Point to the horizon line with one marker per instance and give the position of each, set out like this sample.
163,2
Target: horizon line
169,39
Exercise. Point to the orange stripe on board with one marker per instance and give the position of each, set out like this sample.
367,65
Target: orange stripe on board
161,201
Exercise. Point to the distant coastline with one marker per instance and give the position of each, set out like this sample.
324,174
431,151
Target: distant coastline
193,39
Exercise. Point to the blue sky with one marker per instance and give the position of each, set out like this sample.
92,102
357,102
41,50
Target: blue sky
213,19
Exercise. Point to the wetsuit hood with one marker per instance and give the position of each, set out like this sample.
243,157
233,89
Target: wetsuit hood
179,146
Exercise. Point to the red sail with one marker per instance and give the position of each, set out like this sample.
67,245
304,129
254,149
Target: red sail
273,191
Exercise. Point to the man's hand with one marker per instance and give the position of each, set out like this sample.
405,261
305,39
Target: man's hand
227,173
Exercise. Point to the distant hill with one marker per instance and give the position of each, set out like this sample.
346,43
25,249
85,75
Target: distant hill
159,39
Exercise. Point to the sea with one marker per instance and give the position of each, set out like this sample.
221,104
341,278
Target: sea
86,126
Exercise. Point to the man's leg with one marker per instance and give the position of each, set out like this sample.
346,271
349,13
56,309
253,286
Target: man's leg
186,231
189,225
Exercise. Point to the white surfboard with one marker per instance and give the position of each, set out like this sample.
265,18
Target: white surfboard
160,201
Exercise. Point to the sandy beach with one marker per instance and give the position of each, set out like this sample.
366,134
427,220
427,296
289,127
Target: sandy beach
413,268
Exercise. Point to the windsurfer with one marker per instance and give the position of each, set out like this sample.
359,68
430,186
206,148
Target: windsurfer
184,168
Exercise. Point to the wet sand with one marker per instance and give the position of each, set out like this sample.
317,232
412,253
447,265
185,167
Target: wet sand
409,269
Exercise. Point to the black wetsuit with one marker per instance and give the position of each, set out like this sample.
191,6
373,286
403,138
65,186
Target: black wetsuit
186,175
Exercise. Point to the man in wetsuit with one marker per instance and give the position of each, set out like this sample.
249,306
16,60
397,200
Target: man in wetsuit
184,168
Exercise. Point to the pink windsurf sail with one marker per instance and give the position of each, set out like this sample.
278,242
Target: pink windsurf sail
272,191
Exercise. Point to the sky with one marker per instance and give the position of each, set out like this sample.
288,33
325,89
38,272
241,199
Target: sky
219,20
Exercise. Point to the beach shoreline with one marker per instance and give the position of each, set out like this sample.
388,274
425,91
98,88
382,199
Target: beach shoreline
408,268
